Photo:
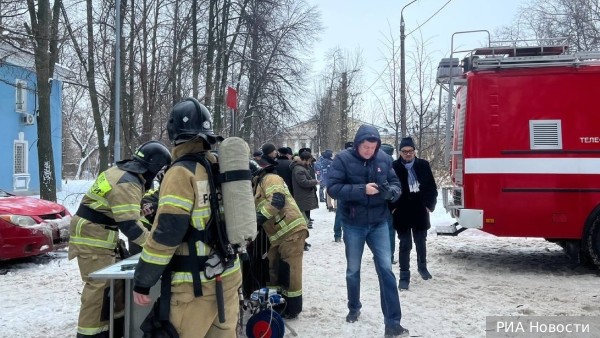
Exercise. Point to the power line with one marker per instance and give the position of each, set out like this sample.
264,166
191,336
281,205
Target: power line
421,25
434,14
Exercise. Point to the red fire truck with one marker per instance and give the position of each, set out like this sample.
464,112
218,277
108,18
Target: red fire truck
525,152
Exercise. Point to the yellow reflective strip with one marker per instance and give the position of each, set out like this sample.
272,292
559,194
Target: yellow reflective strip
98,200
285,228
274,187
123,208
186,277
289,293
200,217
90,331
263,209
155,258
93,242
176,201
78,227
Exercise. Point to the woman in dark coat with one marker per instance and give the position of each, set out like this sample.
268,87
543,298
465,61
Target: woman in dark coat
411,211
305,185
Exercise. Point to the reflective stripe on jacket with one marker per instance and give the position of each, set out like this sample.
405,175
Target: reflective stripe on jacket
115,194
279,222
183,202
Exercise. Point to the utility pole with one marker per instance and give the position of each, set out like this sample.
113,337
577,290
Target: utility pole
117,136
403,73
344,110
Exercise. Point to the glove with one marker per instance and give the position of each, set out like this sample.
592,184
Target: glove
278,200
385,192
260,219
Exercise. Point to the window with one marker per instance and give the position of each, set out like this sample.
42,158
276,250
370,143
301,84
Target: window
21,96
20,164
21,177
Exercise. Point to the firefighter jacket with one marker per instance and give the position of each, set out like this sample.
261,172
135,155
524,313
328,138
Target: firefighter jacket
111,204
183,203
280,222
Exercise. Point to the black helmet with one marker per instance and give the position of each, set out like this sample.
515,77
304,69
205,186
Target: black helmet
153,156
189,119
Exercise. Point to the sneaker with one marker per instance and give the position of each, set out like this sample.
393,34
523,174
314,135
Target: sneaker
309,225
352,316
306,246
338,240
395,331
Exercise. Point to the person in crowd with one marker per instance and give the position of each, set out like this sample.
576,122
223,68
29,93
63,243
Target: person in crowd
411,211
111,205
283,168
269,155
321,167
304,184
285,225
363,180
257,155
192,265
389,149
337,224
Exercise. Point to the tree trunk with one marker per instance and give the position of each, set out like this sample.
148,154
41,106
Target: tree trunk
44,27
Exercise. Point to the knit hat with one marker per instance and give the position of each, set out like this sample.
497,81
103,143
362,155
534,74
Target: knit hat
283,151
290,151
268,148
303,150
257,153
387,148
407,142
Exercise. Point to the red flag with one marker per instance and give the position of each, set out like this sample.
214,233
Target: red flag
231,98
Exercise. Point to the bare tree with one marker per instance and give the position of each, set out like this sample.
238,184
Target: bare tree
43,29
578,21
423,116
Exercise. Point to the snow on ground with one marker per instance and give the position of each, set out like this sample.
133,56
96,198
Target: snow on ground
474,275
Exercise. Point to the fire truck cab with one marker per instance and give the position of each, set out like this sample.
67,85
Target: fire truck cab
525,151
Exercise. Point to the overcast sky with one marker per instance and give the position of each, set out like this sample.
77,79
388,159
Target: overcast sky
362,24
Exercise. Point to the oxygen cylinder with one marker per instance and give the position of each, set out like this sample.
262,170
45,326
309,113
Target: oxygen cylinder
236,188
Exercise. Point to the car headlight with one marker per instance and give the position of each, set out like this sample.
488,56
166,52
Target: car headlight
19,220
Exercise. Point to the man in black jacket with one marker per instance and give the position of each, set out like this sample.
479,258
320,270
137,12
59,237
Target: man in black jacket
411,211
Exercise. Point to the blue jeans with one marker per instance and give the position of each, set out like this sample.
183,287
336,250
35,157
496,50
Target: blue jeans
337,226
377,238
392,235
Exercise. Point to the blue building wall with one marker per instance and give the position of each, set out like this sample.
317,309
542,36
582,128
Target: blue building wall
13,125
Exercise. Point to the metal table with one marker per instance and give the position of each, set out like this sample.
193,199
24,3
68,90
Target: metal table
134,314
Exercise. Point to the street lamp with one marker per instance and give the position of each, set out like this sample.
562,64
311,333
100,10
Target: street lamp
402,73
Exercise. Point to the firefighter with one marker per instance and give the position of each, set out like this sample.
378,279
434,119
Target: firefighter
112,204
180,246
286,228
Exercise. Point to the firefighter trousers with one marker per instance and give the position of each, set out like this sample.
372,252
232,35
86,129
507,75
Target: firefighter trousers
195,317
94,314
285,269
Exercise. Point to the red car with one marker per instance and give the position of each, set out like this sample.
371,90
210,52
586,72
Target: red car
31,226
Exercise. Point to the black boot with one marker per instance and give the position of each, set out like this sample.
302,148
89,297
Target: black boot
422,268
404,280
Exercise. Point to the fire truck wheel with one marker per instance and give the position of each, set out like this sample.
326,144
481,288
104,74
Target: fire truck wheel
592,241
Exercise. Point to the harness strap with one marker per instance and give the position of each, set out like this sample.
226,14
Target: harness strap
96,216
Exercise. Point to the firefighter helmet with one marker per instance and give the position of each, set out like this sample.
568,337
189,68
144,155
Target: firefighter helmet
153,156
189,119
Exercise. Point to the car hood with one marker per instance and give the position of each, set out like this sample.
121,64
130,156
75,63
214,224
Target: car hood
28,206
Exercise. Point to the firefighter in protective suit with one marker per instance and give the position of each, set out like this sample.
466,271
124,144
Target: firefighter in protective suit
178,242
285,225
112,204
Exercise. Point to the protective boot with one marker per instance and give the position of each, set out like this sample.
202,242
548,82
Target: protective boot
404,280
422,268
